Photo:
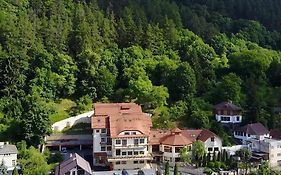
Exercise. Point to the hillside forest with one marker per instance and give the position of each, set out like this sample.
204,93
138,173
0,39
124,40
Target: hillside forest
175,58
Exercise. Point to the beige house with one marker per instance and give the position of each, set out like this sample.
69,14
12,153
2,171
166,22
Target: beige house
120,136
165,145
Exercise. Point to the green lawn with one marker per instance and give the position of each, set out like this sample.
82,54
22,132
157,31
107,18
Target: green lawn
61,110
79,128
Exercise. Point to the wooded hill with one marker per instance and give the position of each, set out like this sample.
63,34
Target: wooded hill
177,58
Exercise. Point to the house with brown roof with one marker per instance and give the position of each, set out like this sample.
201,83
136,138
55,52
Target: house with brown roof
166,145
120,136
251,131
228,113
74,165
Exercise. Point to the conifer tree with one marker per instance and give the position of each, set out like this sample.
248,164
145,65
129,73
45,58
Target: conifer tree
167,168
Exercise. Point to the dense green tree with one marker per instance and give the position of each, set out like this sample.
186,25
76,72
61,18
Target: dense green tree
198,152
167,168
185,154
228,89
176,171
182,85
35,120
33,162
245,155
15,172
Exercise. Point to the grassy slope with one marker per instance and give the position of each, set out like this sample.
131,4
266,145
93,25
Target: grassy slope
61,110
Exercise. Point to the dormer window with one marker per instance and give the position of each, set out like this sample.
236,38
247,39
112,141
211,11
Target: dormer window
212,139
127,133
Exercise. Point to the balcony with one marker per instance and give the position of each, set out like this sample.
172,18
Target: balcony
130,146
133,157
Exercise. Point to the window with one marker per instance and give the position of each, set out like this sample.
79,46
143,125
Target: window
124,142
177,149
117,142
136,153
141,140
102,139
127,133
212,139
136,162
108,148
136,141
216,149
124,162
102,148
124,153
141,161
130,153
103,130
97,131
142,152
118,162
13,162
210,149
237,118
134,133
225,118
167,149
279,154
118,152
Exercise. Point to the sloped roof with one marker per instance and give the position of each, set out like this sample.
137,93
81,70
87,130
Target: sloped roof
120,117
205,135
228,106
184,137
253,129
74,161
8,149
275,134
175,139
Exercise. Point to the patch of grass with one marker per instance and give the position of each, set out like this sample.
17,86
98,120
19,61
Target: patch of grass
79,128
61,110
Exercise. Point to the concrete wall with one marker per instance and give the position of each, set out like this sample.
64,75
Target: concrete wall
232,149
82,118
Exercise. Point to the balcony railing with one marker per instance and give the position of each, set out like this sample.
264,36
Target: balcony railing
133,157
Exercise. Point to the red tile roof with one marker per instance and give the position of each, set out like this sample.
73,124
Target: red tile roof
120,117
176,138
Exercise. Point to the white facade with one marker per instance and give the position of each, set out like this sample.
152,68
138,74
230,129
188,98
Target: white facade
229,118
213,144
171,153
270,146
123,152
7,156
246,137
130,152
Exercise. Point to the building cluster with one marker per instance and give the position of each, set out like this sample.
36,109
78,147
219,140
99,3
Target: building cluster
265,145
123,138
